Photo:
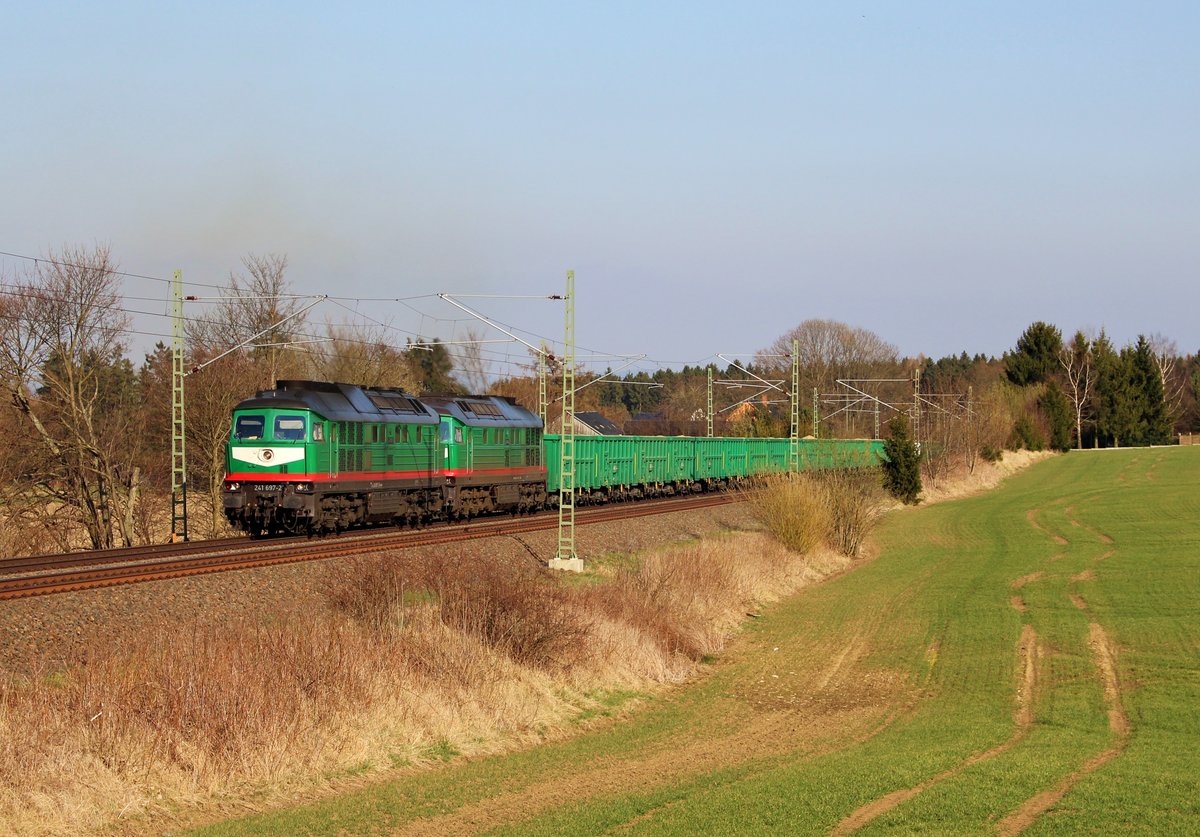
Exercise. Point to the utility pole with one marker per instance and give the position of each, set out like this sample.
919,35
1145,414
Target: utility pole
543,403
567,559
179,521
917,407
971,426
710,410
794,435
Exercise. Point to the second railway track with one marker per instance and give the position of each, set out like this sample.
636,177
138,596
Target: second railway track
48,575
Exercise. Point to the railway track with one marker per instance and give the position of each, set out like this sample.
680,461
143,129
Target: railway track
50,574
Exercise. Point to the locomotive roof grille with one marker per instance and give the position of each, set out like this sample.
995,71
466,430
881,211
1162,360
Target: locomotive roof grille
481,409
343,402
395,403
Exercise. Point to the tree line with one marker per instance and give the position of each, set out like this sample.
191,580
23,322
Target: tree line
88,455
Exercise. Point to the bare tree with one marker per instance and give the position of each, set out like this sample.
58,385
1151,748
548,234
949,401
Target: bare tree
30,521
258,302
361,355
1166,356
1076,360
685,399
471,368
62,347
828,350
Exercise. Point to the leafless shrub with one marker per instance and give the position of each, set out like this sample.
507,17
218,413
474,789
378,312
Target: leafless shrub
512,607
515,608
674,597
835,507
854,500
369,590
792,508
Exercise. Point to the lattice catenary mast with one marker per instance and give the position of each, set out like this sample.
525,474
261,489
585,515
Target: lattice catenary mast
794,433
543,403
566,558
179,521
710,402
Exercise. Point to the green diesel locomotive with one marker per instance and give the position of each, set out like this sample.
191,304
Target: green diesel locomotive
310,456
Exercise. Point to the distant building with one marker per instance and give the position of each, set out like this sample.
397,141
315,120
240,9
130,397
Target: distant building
586,424
741,411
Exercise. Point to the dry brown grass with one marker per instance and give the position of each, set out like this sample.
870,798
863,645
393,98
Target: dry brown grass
855,500
414,661
960,482
792,508
803,511
30,525
208,712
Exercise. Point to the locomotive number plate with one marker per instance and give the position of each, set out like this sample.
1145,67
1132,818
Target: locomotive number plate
268,486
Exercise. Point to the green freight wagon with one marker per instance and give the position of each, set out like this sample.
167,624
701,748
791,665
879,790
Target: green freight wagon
631,467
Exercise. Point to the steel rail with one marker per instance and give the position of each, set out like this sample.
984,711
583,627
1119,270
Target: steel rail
254,554
36,563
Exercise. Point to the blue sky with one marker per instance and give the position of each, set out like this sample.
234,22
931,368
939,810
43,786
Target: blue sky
940,173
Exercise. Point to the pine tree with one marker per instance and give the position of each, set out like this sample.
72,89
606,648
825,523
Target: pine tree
1057,411
1109,397
1151,421
1036,355
902,465
433,367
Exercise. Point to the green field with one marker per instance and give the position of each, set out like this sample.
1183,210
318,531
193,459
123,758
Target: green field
1028,659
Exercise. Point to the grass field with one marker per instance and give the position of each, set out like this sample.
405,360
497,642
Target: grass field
1025,660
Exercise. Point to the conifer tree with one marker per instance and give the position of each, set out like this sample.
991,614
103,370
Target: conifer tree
1057,411
1150,421
1036,356
433,367
902,465
1109,394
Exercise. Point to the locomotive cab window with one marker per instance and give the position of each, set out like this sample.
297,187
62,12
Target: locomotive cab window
289,428
249,427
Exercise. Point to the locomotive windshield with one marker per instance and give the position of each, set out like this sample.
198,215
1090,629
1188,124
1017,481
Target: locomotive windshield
248,427
289,428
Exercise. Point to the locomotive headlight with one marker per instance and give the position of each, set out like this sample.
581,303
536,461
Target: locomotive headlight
304,486
232,486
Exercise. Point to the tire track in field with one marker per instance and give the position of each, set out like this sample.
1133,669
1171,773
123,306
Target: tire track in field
1153,465
1027,653
1104,657
1118,723
675,760
1075,521
841,706
1031,516
860,737
1017,600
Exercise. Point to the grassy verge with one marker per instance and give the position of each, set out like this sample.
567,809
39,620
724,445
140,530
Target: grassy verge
895,693
414,663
